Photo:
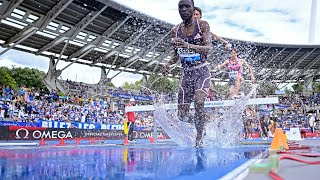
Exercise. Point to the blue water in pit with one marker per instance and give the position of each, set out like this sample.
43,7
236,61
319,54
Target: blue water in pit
119,162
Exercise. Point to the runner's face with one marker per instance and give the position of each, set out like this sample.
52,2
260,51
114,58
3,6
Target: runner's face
234,54
196,15
185,9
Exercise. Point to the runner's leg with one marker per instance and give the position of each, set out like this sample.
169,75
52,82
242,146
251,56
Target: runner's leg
202,86
200,116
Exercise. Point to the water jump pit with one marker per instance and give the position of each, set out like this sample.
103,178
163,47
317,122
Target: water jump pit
140,161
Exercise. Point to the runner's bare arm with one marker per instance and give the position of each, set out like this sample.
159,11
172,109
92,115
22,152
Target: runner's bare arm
206,37
216,37
223,64
249,68
175,56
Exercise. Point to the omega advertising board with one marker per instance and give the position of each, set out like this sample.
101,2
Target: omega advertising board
36,133
118,134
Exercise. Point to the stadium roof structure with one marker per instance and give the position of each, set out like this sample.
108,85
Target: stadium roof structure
103,33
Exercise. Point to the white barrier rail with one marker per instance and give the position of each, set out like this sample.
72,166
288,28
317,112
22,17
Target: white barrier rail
19,144
255,101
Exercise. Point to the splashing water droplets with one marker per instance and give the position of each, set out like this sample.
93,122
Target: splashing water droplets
222,130
225,130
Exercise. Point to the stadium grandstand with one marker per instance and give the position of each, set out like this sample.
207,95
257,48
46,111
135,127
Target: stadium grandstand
111,36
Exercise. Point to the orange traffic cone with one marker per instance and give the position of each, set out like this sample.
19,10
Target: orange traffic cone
92,141
77,140
151,139
42,142
279,141
61,141
125,141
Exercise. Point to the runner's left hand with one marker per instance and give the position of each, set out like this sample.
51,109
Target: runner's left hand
178,42
253,80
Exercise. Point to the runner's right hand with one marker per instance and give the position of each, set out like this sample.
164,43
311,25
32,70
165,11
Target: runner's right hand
253,80
228,46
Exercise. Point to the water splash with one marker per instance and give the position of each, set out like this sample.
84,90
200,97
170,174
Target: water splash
180,132
224,131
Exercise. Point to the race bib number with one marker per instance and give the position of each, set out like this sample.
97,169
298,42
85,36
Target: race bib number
233,74
187,55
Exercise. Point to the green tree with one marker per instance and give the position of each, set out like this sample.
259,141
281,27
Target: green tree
128,86
163,84
316,87
287,90
29,77
110,84
297,88
6,79
138,84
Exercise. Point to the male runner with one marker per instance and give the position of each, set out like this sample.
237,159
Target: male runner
191,42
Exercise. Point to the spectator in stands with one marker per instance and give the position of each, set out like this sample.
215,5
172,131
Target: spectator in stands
311,122
264,128
1,93
2,111
21,115
11,109
8,93
272,128
248,120
131,117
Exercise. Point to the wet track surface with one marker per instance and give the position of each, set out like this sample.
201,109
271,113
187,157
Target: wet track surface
120,162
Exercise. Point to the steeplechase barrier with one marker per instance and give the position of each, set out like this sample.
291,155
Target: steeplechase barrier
207,104
19,144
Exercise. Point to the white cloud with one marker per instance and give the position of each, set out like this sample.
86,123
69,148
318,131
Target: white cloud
278,21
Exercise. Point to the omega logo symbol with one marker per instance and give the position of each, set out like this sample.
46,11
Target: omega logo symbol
26,133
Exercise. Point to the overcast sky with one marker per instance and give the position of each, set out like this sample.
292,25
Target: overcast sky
271,21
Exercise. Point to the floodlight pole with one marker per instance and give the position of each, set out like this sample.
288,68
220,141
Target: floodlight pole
308,81
313,19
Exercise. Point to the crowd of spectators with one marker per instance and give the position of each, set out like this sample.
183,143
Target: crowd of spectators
80,87
297,110
293,111
28,104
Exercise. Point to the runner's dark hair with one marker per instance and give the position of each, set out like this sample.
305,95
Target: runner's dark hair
192,2
198,9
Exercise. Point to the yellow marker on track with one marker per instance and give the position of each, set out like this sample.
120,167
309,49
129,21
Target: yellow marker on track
125,127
